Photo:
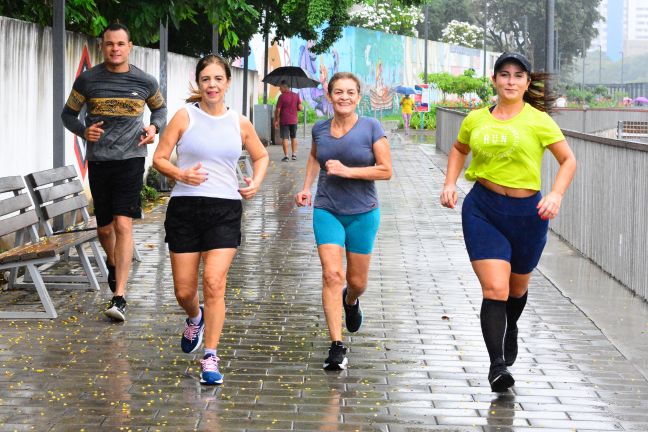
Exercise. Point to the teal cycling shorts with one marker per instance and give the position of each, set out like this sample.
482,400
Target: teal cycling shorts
356,233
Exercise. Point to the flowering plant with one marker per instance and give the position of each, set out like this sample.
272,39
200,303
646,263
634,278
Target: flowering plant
388,18
463,33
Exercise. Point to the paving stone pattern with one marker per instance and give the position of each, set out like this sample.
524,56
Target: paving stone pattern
418,363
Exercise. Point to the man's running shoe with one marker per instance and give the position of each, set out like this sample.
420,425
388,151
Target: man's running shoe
193,334
116,309
511,346
209,374
500,378
336,359
112,281
352,314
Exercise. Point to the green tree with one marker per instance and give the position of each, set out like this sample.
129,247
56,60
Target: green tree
81,15
441,12
461,85
519,25
191,20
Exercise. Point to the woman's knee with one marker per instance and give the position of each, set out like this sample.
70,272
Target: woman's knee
214,287
495,291
185,293
333,278
357,283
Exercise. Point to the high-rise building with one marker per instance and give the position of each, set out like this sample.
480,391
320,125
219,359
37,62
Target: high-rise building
635,41
624,28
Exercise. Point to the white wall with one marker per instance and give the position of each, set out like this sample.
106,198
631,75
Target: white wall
26,112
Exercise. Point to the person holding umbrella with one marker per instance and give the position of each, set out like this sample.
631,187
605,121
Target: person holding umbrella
286,119
407,104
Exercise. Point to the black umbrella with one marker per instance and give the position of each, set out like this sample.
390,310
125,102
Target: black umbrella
291,76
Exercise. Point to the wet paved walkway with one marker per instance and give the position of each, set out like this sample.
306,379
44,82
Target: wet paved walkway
418,363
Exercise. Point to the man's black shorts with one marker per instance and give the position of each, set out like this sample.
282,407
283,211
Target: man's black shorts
116,186
288,130
199,224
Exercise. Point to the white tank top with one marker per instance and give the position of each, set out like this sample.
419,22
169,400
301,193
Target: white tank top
214,141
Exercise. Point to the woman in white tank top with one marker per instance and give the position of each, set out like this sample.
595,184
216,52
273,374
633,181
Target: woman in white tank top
203,220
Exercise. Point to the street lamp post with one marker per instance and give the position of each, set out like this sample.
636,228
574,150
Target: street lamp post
600,49
549,35
484,36
583,79
425,54
621,67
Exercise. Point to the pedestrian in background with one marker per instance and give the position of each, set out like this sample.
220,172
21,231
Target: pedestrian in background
505,218
203,219
348,154
286,119
115,93
407,105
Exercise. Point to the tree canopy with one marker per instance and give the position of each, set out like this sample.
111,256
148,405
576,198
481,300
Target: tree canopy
191,20
519,25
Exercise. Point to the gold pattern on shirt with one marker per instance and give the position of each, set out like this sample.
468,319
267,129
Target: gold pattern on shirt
116,107
75,100
155,101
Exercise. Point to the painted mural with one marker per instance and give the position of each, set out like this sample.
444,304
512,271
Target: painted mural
382,61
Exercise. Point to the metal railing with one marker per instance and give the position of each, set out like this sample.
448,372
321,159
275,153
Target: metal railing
604,215
632,130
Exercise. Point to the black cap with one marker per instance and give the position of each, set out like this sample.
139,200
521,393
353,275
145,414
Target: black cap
513,56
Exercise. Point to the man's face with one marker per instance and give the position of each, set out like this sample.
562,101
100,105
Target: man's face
116,47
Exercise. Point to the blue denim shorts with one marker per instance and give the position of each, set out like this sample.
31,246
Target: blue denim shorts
356,233
500,227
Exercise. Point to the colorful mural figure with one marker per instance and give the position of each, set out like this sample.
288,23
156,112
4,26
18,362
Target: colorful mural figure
80,144
316,97
382,62
381,97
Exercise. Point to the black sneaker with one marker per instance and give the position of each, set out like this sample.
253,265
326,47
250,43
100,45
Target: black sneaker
511,346
285,159
352,314
117,309
112,282
336,359
294,157
500,378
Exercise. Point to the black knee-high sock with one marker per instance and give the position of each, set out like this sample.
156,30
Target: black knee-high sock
514,308
493,324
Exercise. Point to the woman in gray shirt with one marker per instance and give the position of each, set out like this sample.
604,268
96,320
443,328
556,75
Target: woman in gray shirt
349,152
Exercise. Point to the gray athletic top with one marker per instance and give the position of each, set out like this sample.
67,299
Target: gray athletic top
118,100
339,195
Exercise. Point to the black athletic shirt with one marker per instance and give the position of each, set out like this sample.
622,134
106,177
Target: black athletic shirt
118,100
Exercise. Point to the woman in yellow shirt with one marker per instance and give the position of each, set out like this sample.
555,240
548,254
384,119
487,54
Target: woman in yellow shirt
504,217
406,103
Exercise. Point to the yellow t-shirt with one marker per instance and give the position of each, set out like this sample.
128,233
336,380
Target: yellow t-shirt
508,152
407,104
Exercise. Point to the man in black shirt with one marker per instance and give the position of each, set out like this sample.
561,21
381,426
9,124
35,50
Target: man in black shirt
114,93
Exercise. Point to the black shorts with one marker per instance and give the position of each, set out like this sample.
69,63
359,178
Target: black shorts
116,187
199,224
288,131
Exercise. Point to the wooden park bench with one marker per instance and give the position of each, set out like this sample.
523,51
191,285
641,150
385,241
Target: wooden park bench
19,217
58,193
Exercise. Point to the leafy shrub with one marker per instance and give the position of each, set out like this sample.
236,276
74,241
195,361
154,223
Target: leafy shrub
148,194
429,119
